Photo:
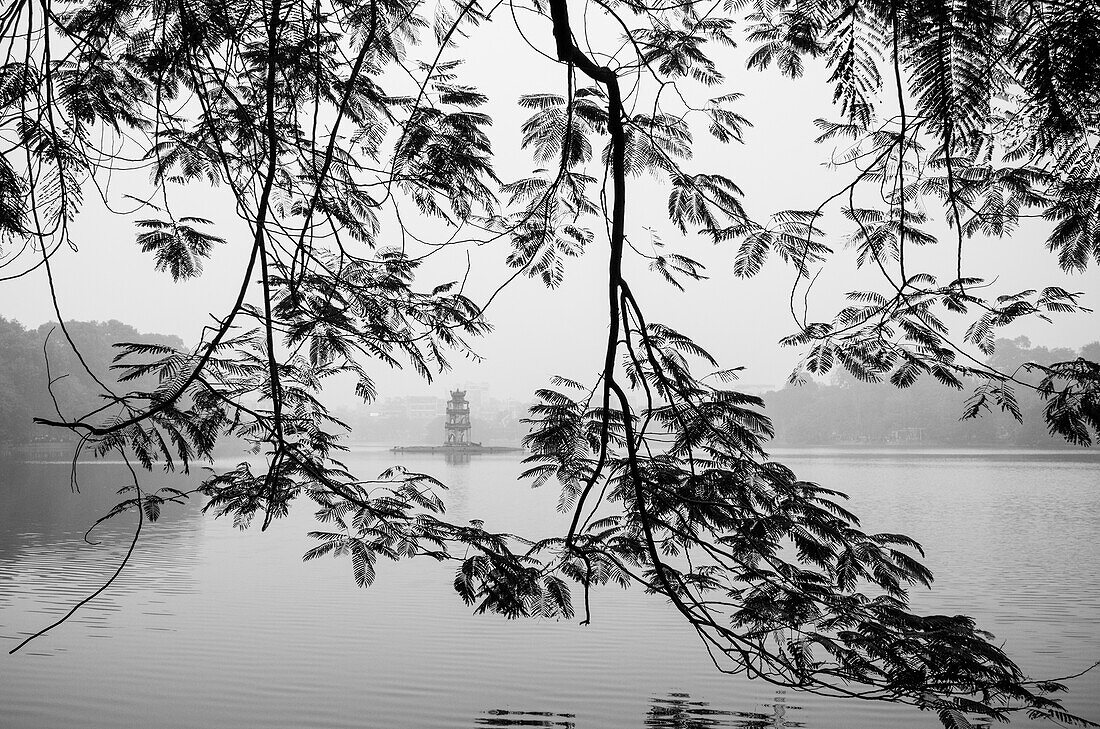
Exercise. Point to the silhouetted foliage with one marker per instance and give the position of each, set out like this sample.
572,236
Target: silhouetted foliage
984,111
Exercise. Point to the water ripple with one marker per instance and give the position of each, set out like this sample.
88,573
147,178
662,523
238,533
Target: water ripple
211,627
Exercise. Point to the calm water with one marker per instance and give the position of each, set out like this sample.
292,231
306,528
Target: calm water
212,627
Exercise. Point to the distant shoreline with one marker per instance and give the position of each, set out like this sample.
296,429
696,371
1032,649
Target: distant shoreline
1055,447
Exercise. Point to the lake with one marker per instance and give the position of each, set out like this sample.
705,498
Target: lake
213,627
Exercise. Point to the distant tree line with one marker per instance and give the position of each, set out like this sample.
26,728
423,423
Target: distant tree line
848,411
24,354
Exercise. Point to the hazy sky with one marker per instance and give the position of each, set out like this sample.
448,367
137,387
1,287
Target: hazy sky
540,332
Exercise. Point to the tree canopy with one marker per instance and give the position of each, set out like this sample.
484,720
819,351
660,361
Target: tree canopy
354,145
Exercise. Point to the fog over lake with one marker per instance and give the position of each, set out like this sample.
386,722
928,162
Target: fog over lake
508,305
213,627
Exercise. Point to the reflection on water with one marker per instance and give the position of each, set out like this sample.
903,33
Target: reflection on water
504,717
46,566
261,639
674,711
679,711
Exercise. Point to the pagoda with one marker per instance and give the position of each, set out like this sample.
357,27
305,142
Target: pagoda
456,429
457,426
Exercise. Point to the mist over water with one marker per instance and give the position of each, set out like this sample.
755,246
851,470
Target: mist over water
211,626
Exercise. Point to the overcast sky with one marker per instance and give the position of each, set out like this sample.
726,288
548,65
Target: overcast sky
540,332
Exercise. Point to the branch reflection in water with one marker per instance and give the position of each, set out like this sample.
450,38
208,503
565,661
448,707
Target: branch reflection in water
679,711
675,711
505,717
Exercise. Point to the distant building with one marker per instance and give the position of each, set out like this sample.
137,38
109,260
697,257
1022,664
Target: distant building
411,407
477,394
457,427
755,388
907,435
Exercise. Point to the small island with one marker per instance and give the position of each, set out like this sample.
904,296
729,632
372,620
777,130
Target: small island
456,432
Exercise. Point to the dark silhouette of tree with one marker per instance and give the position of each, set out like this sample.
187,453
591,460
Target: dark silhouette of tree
986,111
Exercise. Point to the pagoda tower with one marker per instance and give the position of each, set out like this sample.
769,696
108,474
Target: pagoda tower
458,420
